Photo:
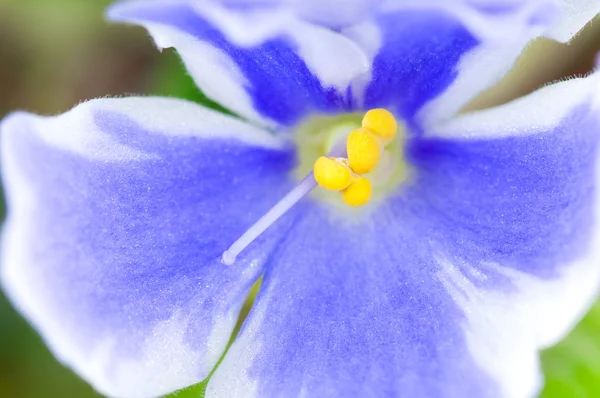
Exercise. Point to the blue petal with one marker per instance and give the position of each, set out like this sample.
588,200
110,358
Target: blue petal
298,70
334,14
118,212
442,56
417,61
278,63
487,18
449,287
521,199
352,309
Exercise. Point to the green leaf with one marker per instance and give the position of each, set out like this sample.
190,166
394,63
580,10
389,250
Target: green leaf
172,80
572,367
199,390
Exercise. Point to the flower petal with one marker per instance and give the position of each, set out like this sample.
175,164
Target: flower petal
450,287
575,15
277,79
442,55
334,14
520,189
118,212
485,18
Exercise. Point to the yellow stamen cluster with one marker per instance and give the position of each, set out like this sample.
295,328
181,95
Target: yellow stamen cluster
364,147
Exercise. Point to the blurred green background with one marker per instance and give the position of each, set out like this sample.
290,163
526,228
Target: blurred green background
56,53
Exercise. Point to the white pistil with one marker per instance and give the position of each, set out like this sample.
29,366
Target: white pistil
307,184
298,192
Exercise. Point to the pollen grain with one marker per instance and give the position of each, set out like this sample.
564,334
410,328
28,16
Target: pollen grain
364,151
358,192
331,173
381,123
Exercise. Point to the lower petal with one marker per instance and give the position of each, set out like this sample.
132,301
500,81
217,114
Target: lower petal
450,287
357,309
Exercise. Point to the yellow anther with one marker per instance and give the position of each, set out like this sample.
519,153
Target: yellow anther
363,150
332,174
358,192
382,123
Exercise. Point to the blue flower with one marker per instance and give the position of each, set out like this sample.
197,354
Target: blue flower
478,247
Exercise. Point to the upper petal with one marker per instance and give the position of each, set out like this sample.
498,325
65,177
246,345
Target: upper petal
449,287
418,52
430,59
277,62
485,18
273,77
118,212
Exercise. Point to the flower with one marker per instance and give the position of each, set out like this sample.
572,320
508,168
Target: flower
478,247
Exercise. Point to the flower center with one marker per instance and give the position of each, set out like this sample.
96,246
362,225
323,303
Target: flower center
353,159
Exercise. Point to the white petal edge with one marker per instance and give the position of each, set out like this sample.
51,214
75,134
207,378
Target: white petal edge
481,24
541,110
334,59
575,14
156,114
485,64
255,25
213,71
368,36
232,376
477,69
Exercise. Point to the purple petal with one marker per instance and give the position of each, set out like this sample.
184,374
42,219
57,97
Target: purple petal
451,286
428,61
118,213
279,79
489,19
279,62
